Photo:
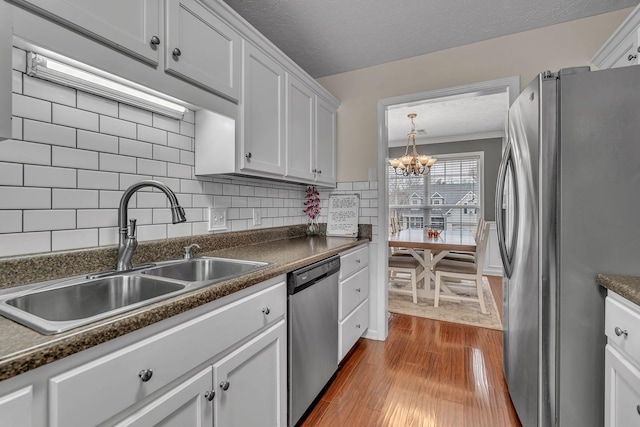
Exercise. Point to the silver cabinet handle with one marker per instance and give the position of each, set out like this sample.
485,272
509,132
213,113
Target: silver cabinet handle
631,57
176,52
210,395
357,289
620,332
358,326
247,156
266,310
314,170
154,41
638,409
224,385
319,171
145,375
358,261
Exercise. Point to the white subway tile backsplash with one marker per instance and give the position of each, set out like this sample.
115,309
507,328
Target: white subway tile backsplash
41,220
72,117
73,239
19,60
148,199
212,188
238,202
127,180
25,152
166,123
25,243
143,216
189,117
25,198
153,135
116,163
97,104
152,167
117,127
108,236
111,199
200,228
74,199
131,147
193,214
152,232
16,82
47,176
179,230
191,186
167,154
179,141
16,127
185,200
246,190
361,185
95,218
10,174
31,108
203,201
98,180
97,142
180,171
187,158
10,221
222,201
133,114
187,129
49,91
48,133
74,158
230,190
344,186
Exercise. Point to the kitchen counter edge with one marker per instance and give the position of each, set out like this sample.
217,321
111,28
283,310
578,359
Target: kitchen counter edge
627,287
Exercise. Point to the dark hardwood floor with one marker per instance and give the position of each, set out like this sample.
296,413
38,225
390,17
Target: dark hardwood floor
427,373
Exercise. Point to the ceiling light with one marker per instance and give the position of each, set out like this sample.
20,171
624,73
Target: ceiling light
48,69
412,164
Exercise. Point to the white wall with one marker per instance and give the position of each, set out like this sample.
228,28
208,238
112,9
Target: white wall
524,54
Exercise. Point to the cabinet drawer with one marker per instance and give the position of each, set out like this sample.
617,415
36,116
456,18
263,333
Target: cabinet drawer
353,291
353,261
620,318
622,391
92,393
352,328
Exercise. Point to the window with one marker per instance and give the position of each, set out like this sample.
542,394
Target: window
452,191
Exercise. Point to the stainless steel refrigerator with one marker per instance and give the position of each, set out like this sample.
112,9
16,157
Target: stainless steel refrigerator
567,208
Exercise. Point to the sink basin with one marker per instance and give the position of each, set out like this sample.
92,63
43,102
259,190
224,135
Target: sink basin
205,269
59,306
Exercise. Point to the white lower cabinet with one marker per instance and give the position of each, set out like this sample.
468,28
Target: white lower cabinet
353,300
16,408
622,362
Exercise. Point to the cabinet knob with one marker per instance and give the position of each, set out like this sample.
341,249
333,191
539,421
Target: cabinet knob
224,385
314,170
145,375
248,156
631,57
210,395
154,41
358,261
620,332
319,171
357,289
358,326
176,52
266,310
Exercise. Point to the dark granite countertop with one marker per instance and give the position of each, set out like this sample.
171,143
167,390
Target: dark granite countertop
626,286
22,349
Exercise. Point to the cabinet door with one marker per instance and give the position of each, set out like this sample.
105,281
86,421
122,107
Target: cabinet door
251,382
201,48
262,113
16,408
127,25
5,71
325,143
622,391
300,132
185,405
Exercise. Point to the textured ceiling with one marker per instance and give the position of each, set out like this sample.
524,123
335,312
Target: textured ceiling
327,37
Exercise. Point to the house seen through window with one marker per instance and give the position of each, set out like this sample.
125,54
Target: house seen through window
448,198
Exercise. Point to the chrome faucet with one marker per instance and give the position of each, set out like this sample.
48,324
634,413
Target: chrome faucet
127,241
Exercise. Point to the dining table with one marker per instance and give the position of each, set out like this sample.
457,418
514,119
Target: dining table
428,250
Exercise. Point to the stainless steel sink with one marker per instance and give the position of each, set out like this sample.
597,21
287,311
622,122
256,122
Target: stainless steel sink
55,307
205,269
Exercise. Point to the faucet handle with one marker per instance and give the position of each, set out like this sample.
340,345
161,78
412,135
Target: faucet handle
132,228
188,254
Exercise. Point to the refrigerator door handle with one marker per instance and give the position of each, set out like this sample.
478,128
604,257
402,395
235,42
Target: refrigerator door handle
506,251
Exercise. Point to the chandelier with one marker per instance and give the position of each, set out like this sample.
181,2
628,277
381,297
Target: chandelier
412,164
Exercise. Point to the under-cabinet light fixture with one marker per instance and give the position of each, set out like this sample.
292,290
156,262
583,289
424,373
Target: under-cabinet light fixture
49,69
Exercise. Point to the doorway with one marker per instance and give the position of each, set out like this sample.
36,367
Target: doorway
389,111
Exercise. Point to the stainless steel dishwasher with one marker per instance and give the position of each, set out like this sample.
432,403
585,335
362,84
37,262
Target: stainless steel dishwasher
313,333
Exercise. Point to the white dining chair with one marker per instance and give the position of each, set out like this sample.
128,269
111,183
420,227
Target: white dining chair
467,256
404,271
458,275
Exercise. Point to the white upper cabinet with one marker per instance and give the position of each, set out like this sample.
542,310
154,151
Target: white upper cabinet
325,143
622,47
262,113
129,25
202,48
301,138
